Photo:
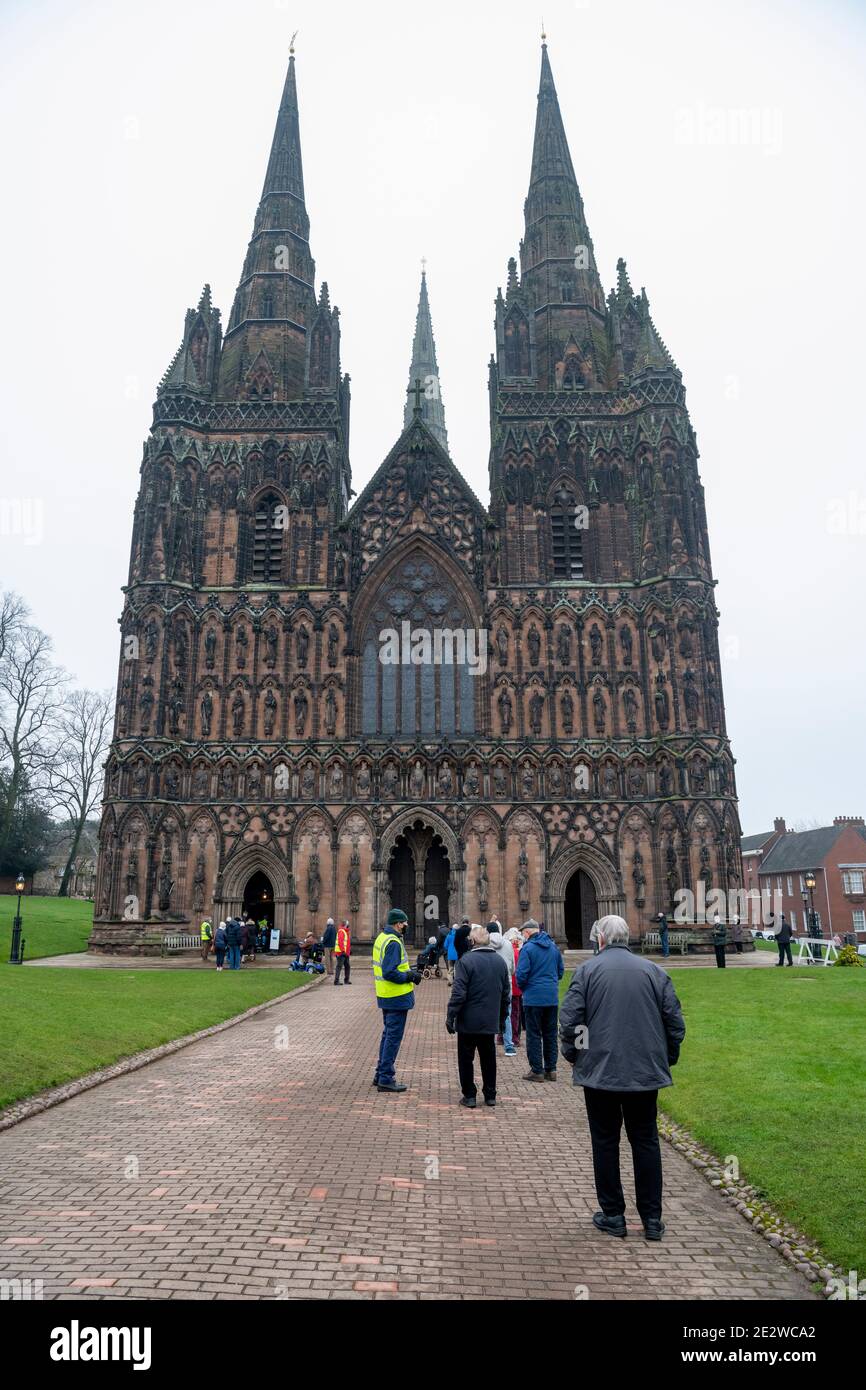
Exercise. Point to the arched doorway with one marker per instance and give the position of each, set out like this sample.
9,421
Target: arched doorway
259,898
581,910
419,876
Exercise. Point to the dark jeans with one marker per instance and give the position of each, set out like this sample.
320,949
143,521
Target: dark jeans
393,1027
234,957
484,1044
785,950
220,954
720,956
663,936
342,964
606,1111
541,1041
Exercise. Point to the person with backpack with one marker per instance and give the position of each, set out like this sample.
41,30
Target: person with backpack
343,952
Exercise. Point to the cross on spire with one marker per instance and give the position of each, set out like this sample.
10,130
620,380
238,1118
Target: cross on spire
417,391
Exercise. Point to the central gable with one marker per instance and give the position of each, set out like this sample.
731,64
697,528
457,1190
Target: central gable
417,490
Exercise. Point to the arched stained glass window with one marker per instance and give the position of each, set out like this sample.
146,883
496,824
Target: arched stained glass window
418,651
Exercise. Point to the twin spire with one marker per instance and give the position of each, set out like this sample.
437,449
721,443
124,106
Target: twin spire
424,384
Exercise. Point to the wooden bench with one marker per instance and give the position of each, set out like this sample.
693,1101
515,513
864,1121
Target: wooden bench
677,941
180,941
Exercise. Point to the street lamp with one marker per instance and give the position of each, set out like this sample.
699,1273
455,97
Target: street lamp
814,925
16,955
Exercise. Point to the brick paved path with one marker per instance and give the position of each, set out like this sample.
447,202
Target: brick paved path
262,1164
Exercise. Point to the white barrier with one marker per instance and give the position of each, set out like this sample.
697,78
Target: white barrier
807,956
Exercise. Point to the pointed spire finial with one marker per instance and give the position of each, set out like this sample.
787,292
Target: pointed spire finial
424,265
292,44
543,34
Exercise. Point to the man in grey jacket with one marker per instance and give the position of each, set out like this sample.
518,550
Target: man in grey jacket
476,1013
621,1027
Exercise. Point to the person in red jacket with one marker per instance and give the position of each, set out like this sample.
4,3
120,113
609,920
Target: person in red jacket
343,952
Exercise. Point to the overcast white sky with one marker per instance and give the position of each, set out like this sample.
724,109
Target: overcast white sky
136,140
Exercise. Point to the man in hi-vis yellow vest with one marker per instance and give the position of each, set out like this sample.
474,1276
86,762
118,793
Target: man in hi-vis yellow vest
395,982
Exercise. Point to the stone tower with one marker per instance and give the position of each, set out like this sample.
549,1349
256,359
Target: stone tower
324,710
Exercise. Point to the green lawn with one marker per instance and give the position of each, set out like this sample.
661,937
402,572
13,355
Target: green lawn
772,1071
59,1024
50,926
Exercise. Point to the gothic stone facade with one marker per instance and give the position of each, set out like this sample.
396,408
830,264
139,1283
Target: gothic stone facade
265,756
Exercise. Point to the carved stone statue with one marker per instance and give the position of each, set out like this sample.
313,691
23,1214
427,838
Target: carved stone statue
505,710
662,705
172,782
271,639
500,780
336,780
242,642
635,781
302,645
198,885
566,705
210,642
200,783
625,643
536,710
523,881
527,781
353,882
333,642
175,704
238,713
254,782
206,708
691,699
227,782
165,881
596,643
390,780
657,636
554,780
533,642
471,781
630,705
270,712
145,705
665,779
314,883
599,708
330,710
609,780
151,638
445,783
563,644
139,778
308,781
301,708
416,781
482,883
502,644
363,780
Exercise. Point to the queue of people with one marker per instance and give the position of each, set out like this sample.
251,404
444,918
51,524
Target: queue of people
620,1028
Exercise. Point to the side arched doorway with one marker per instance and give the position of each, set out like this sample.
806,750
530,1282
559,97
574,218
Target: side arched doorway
259,898
581,910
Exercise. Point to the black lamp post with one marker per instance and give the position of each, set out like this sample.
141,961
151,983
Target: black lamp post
16,955
814,924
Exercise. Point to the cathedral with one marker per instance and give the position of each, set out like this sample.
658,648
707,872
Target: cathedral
330,706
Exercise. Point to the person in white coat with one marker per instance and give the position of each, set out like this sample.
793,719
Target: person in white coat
503,948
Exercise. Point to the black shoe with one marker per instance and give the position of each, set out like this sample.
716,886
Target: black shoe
534,1076
653,1230
612,1225
550,1075
489,1102
336,982
468,1101
347,982
390,1086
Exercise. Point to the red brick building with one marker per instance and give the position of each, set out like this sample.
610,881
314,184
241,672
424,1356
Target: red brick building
776,863
267,756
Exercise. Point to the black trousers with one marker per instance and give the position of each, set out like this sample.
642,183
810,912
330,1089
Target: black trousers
606,1112
342,964
720,956
542,1040
785,950
485,1045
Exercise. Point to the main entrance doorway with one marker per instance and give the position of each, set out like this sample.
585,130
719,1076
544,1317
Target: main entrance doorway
419,874
259,898
581,910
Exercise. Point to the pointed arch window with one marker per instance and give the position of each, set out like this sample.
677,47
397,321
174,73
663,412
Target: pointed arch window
427,693
267,541
566,543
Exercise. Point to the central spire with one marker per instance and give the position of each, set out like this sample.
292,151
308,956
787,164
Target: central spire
424,369
557,254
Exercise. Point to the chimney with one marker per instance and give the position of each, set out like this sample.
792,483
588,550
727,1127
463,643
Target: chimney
779,825
847,820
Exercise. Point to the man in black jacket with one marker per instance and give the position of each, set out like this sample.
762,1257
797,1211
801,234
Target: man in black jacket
783,941
621,1027
234,939
479,1001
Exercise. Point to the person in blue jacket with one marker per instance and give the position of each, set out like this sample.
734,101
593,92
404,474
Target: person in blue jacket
395,982
540,968
451,952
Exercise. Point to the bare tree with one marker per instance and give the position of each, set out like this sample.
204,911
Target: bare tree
32,691
76,771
